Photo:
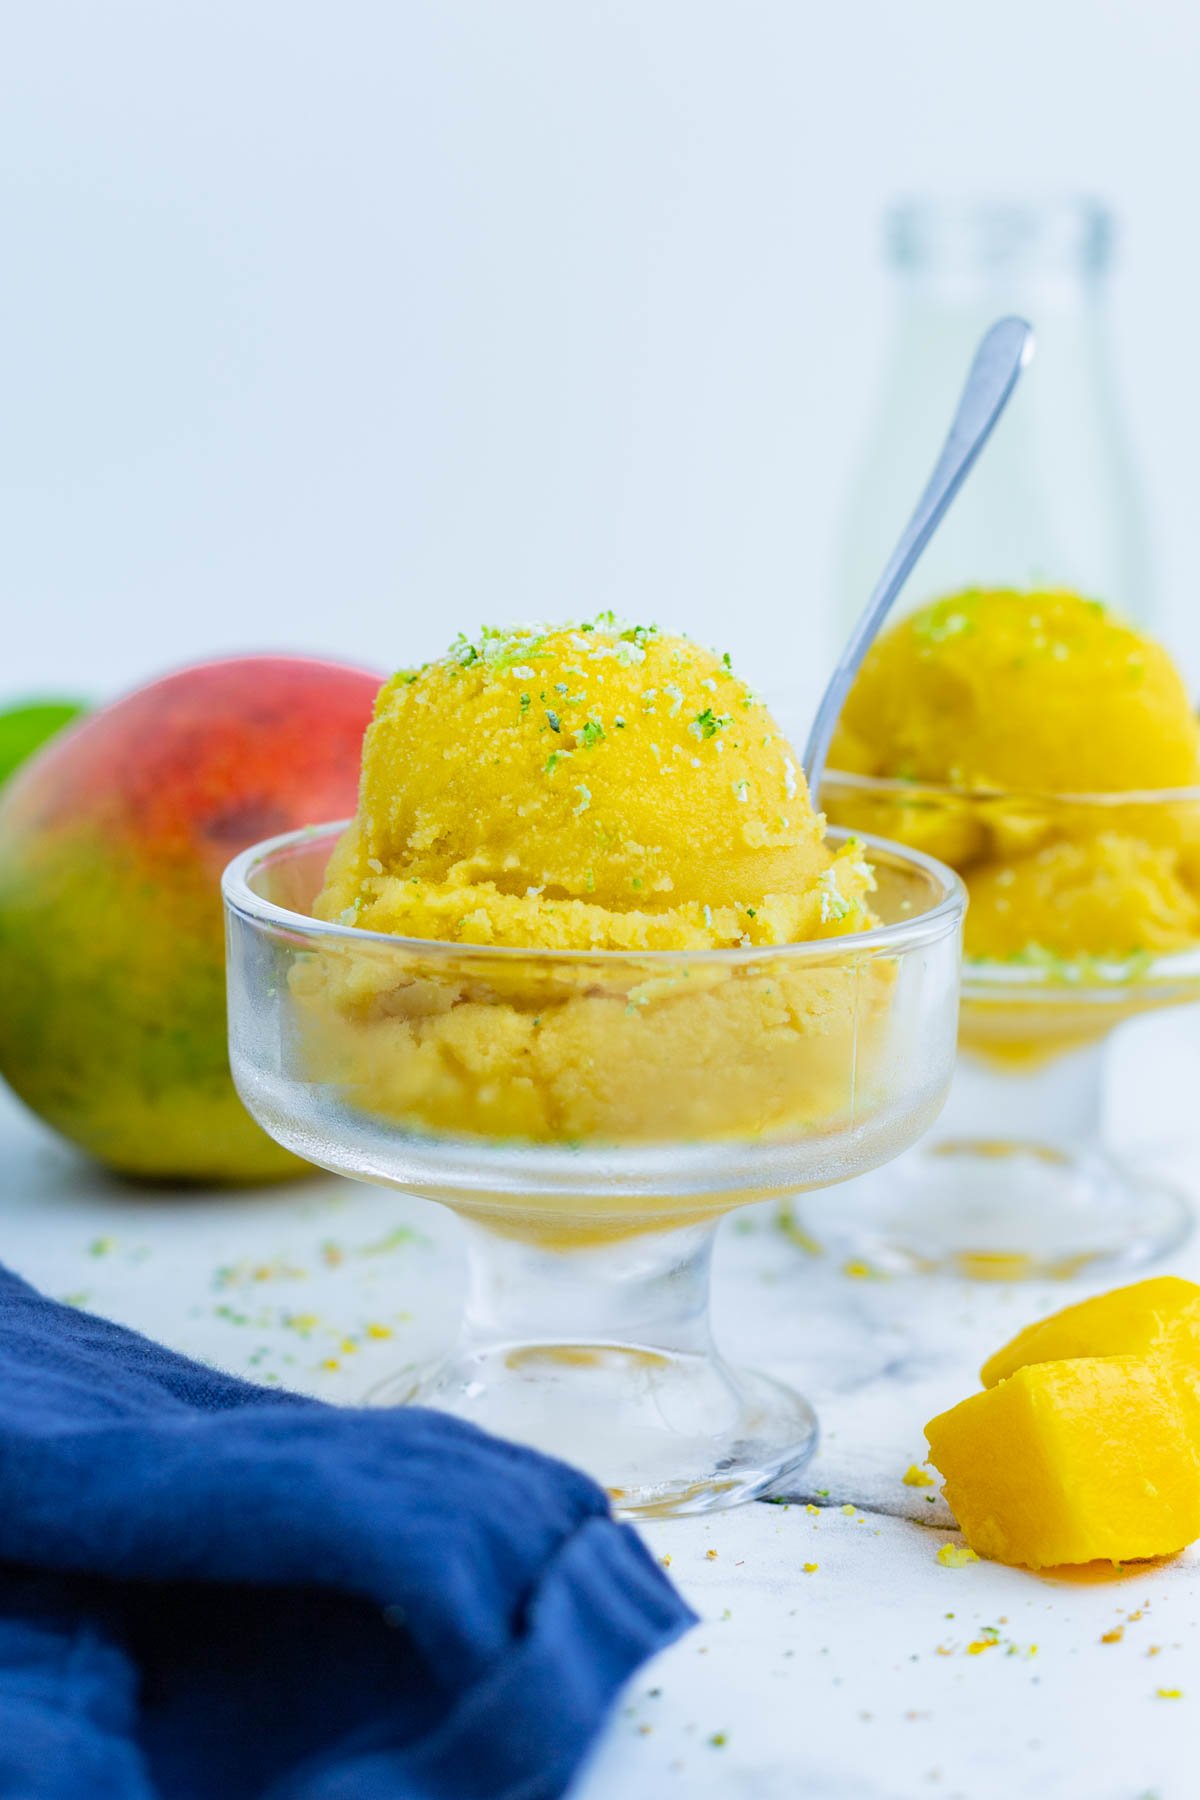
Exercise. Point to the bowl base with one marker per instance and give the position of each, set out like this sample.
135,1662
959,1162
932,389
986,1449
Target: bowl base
665,1433
998,1210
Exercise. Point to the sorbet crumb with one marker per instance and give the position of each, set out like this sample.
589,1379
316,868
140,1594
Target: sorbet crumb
811,1568
849,1510
710,1556
379,1331
956,1556
1114,1636
1169,1693
916,1476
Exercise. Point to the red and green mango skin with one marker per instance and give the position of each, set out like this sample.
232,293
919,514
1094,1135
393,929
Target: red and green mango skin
112,962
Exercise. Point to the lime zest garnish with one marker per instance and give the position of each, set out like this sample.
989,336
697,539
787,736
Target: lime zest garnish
706,724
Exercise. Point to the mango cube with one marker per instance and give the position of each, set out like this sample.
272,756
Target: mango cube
1074,1461
1150,1318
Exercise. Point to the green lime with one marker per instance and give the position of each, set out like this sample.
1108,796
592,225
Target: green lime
25,728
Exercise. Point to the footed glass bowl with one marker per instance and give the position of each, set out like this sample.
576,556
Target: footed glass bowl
590,1116
1017,1180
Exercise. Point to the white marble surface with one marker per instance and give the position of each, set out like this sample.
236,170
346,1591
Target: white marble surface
857,1679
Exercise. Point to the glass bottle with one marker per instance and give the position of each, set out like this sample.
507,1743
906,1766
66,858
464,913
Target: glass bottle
1054,500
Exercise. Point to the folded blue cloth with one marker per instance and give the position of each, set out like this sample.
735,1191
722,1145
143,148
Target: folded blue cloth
210,1590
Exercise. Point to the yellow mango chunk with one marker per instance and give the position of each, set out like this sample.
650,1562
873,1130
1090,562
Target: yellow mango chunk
1071,1462
1150,1318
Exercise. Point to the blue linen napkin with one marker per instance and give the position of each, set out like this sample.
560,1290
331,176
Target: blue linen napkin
214,1591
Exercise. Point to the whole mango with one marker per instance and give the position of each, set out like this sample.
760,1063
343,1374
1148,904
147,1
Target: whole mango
112,842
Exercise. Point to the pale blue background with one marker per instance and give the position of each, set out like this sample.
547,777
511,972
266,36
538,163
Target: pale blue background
341,325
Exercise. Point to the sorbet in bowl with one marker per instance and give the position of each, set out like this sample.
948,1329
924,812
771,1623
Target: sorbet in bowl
1050,753
587,968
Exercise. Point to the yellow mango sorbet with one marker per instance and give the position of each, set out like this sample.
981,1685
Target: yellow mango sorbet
1032,692
589,790
582,788
1085,1444
1028,727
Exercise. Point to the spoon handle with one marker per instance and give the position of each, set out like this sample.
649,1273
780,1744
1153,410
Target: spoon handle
1002,354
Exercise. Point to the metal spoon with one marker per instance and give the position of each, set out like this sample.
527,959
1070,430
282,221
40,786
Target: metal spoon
1003,353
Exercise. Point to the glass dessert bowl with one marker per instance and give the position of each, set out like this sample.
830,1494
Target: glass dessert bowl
591,1115
1017,1180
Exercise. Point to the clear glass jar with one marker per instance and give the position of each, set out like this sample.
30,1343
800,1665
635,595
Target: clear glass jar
1055,500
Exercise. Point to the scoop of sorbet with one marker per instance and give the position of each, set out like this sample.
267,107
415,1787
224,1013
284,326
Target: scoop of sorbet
587,786
1041,692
